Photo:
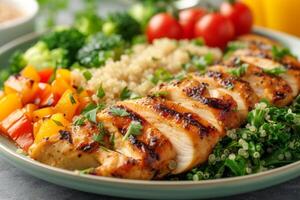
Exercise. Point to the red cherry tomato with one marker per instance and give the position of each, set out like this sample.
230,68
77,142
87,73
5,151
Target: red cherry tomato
163,25
188,18
215,29
240,15
45,75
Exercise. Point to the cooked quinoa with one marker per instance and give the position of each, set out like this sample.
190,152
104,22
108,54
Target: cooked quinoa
133,70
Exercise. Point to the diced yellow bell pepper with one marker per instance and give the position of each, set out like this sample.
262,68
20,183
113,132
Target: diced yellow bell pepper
59,86
36,127
8,104
29,110
31,73
42,113
67,104
84,100
64,74
25,87
50,127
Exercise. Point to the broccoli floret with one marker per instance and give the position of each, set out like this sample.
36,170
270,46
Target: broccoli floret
123,24
17,62
41,57
143,11
69,39
88,23
99,49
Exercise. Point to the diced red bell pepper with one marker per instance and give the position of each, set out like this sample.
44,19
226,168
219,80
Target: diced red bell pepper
45,96
19,128
45,75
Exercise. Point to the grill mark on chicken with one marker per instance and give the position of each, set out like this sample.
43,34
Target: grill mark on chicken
188,118
88,147
197,94
141,145
65,135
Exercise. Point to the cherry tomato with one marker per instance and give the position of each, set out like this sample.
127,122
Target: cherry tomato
163,25
188,18
45,75
240,15
215,29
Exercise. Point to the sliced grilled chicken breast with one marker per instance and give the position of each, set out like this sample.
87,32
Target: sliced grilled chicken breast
62,153
115,164
263,60
150,146
254,41
200,98
192,137
239,90
273,88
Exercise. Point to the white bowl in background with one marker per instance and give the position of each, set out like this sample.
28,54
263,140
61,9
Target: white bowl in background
20,26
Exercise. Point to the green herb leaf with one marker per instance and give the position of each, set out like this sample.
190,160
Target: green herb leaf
239,71
198,42
72,99
275,71
134,129
100,92
278,53
90,112
125,94
161,75
79,121
58,123
160,94
87,75
238,168
116,111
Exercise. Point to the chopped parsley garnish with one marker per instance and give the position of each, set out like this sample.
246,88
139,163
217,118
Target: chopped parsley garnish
58,123
119,112
90,112
239,71
232,47
278,53
100,92
128,94
102,132
87,171
275,71
199,62
161,75
198,42
160,94
87,75
112,140
72,99
79,89
79,121
133,129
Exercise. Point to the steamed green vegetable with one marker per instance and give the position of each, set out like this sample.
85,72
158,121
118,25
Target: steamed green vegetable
99,49
270,139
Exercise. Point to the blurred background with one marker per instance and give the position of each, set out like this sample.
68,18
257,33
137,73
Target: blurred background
281,15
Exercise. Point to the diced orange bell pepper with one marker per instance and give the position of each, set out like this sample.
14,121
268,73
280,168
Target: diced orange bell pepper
84,100
25,87
59,86
50,127
31,73
42,113
9,104
36,127
45,75
19,128
64,74
29,109
67,104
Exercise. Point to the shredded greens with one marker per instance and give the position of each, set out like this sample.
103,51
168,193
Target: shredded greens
270,139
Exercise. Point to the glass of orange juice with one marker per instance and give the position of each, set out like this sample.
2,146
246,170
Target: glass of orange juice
283,15
258,9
